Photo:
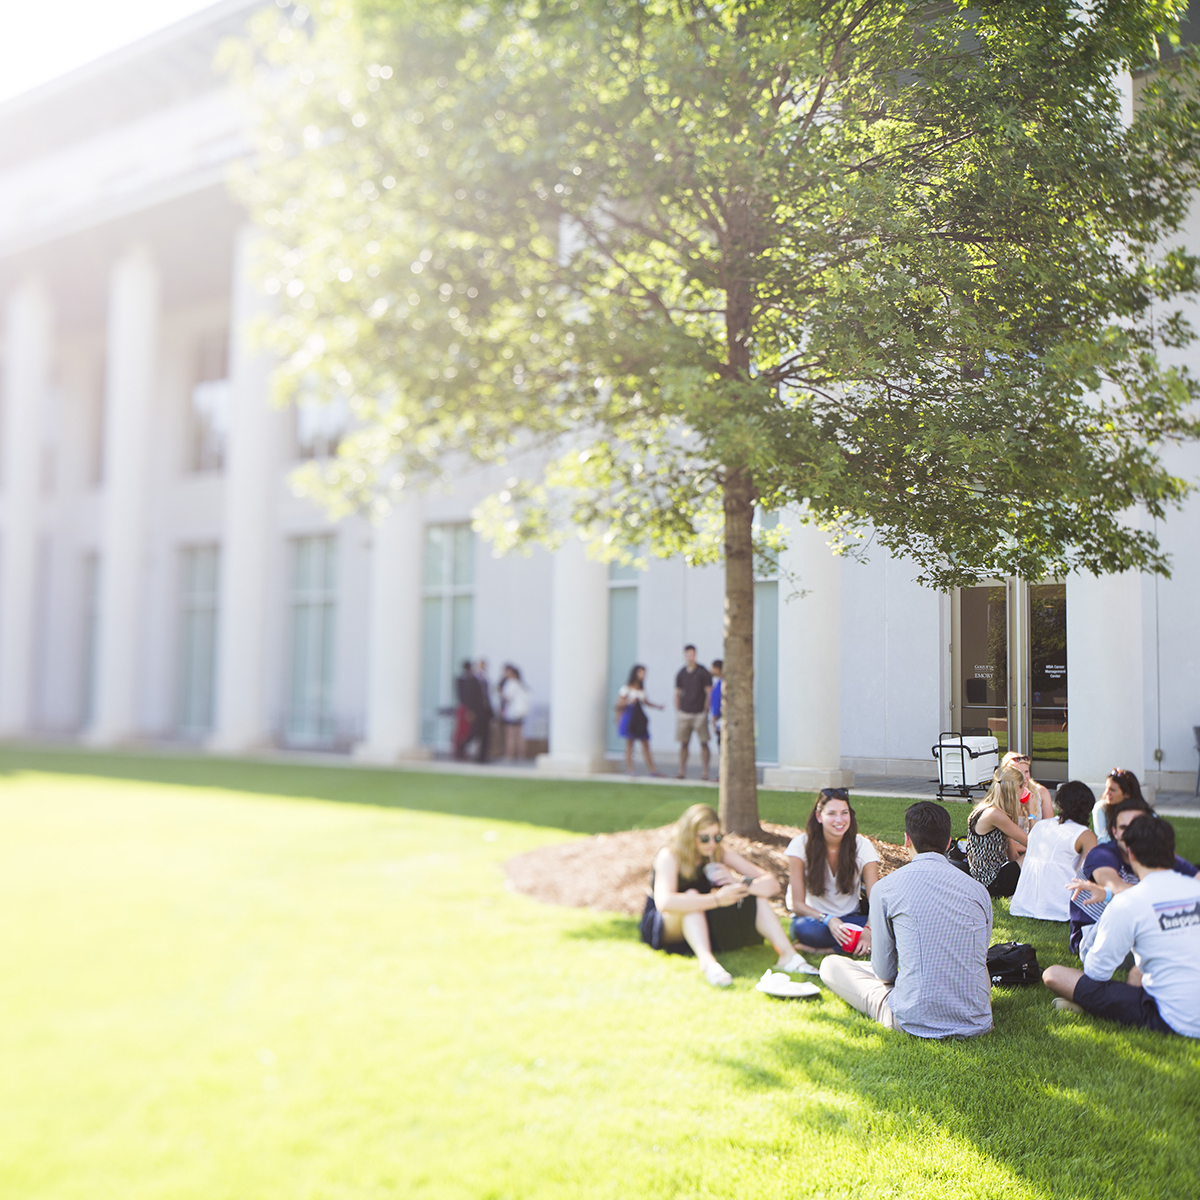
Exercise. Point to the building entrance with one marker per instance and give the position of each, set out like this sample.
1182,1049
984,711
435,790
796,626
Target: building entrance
1008,652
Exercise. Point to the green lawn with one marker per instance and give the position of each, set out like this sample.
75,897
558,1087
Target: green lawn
242,980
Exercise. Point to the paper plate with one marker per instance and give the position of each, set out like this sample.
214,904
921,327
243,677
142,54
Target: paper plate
781,986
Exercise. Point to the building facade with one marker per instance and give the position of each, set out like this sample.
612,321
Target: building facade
161,582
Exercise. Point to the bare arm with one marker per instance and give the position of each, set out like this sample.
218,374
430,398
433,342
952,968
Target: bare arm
993,818
763,882
667,897
1086,842
678,693
1047,802
800,905
1102,878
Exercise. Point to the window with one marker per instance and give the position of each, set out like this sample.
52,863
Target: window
199,567
447,626
310,719
622,640
766,650
320,425
208,423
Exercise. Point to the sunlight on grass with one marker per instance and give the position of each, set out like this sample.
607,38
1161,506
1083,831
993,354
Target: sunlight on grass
214,992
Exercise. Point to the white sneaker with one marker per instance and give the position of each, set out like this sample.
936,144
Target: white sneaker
717,975
797,965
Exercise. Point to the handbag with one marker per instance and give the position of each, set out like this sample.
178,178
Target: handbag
1012,964
623,723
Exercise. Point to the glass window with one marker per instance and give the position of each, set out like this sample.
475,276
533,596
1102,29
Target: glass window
310,711
622,640
983,662
199,567
320,424
447,626
1048,670
208,424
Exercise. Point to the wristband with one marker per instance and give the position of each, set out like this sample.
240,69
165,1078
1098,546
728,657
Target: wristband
825,919
1108,893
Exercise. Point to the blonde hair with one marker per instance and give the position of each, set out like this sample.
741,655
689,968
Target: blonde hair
1005,794
682,842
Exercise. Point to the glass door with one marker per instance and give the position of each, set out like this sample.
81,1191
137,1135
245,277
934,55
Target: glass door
1009,669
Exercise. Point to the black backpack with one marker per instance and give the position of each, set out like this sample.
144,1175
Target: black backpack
1013,963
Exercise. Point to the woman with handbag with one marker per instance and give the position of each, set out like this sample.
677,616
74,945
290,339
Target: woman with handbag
632,723
705,899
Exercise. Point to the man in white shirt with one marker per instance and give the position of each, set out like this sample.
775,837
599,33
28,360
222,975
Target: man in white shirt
1159,920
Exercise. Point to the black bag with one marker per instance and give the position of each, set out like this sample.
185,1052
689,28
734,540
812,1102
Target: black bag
1013,963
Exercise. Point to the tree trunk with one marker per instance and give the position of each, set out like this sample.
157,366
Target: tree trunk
739,777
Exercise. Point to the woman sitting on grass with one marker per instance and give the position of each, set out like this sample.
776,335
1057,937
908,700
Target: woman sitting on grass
1120,785
1055,853
829,863
1035,801
706,900
995,839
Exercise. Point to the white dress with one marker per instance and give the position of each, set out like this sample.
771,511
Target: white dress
1050,864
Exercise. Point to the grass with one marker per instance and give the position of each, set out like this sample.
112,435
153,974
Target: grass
242,980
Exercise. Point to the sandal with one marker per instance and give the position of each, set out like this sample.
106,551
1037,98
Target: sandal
797,966
717,975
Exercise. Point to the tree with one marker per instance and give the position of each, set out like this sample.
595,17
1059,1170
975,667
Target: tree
901,264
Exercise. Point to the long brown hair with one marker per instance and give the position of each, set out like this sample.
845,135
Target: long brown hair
683,839
1004,794
816,864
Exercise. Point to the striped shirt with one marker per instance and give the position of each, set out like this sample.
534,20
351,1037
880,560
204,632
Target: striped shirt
930,928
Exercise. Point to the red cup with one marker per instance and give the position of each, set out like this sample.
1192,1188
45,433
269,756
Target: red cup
851,944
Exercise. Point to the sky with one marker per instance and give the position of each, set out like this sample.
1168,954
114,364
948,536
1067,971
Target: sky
41,39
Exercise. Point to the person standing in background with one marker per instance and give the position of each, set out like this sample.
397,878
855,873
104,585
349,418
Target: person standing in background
483,713
693,686
714,700
514,708
466,691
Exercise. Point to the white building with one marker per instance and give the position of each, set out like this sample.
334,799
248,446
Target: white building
160,581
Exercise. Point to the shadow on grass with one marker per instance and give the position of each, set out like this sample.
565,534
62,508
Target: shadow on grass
584,807
1073,1106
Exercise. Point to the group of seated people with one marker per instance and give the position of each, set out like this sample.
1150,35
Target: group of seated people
1130,900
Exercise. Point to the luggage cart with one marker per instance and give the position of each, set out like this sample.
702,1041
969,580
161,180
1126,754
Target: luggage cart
965,764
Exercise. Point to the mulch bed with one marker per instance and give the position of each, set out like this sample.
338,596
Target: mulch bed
611,871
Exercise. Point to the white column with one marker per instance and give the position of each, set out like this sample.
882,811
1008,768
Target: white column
810,663
1106,702
394,638
27,337
130,379
253,461
578,664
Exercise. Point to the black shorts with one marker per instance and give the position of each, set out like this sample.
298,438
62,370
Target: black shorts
1121,1002
729,928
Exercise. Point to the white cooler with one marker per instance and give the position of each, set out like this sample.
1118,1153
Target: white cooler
965,763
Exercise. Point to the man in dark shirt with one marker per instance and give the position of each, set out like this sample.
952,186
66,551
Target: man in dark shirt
693,685
1107,872
466,690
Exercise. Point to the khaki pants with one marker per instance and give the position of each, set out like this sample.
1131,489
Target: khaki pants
859,986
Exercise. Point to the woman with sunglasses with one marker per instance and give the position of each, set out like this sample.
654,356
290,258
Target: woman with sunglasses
829,863
1036,802
705,899
1120,785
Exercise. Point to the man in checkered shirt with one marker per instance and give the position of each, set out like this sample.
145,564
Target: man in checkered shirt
930,928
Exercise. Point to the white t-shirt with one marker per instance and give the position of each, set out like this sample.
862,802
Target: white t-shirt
516,700
1159,920
835,903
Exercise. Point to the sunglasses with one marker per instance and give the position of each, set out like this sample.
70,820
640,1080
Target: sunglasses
705,838
836,793
1020,758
